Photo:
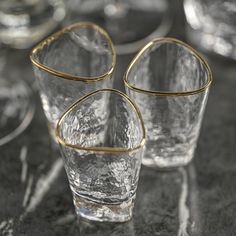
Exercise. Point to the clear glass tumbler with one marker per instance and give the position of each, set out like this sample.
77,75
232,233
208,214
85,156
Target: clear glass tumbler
25,22
212,25
101,138
72,62
169,81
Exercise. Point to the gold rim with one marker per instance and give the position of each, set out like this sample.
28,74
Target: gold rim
166,93
70,76
102,149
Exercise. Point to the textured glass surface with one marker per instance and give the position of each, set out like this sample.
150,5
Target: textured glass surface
213,25
80,52
103,183
172,122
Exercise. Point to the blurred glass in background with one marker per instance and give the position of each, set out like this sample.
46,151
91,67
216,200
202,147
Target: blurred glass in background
69,64
16,105
212,25
130,23
24,22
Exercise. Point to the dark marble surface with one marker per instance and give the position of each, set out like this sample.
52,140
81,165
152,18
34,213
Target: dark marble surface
198,200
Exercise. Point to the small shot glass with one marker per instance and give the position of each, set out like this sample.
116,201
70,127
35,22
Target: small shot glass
71,63
169,81
101,139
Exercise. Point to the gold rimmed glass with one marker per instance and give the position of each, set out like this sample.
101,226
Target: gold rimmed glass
169,81
70,63
101,138
211,26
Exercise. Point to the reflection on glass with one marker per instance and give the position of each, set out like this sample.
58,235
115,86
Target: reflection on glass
212,25
169,81
16,106
101,138
24,22
131,23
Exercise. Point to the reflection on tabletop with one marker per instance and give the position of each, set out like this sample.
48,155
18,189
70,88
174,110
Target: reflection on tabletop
167,202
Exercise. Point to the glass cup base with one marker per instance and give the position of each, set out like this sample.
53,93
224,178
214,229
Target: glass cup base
103,212
166,163
165,158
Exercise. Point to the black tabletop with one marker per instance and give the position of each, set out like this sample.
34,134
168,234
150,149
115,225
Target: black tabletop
198,200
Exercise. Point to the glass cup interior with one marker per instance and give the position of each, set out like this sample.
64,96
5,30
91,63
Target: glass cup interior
81,50
168,66
101,138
